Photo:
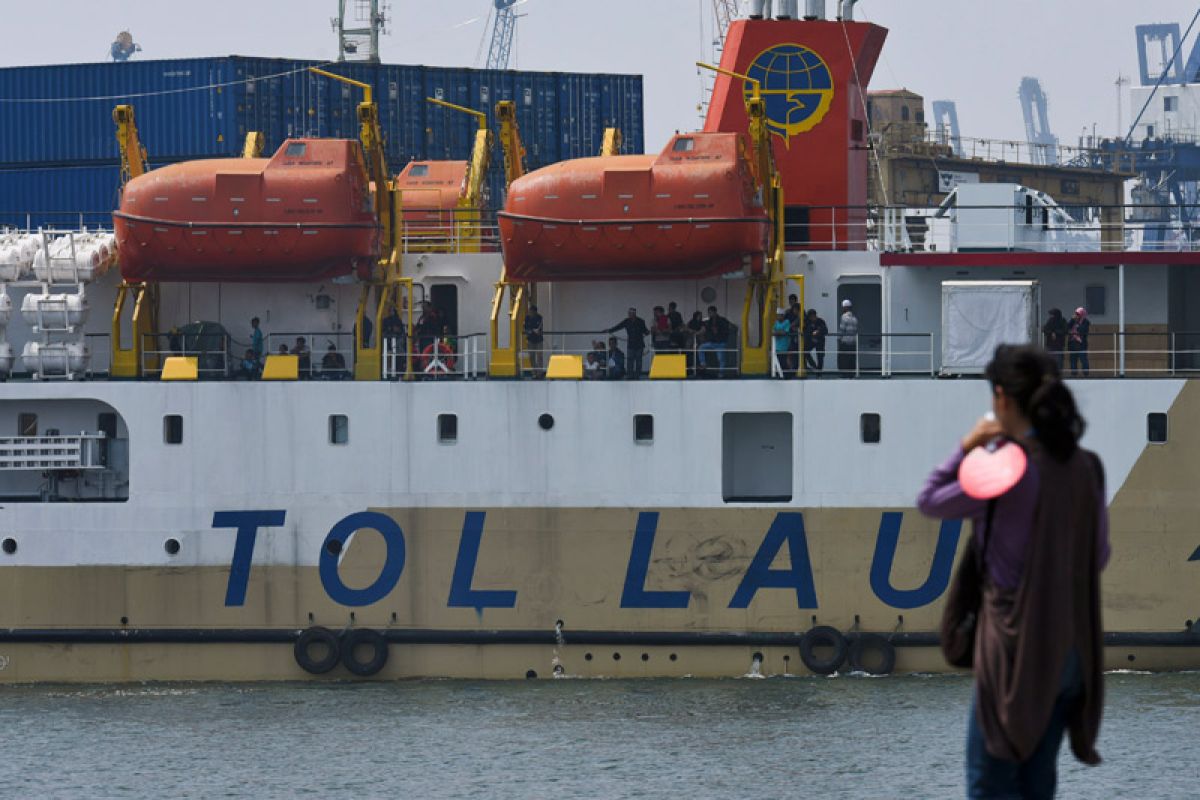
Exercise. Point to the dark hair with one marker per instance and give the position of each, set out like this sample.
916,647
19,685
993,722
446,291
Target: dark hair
1030,377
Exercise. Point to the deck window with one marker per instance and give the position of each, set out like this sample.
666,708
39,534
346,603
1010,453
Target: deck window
418,171
685,145
296,150
27,425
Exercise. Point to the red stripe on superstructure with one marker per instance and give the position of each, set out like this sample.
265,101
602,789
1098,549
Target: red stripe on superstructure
1112,259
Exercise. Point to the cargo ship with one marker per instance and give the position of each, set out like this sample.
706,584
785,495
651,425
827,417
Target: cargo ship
408,476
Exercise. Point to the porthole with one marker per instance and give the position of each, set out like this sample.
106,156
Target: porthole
171,546
545,422
334,546
708,294
10,546
645,656
616,656
587,656
530,674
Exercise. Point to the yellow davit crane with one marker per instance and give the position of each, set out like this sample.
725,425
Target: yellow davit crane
392,291
765,291
505,358
468,222
128,362
611,146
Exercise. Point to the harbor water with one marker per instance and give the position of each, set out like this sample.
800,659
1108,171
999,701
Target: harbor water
812,737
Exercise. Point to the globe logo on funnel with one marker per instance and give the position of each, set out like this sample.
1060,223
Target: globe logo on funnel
797,88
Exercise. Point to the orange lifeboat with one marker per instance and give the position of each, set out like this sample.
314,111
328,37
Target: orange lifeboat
690,212
305,214
430,196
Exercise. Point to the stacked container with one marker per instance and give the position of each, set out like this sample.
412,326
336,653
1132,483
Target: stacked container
58,151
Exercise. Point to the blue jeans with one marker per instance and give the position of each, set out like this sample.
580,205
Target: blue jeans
633,364
1037,777
721,353
1079,358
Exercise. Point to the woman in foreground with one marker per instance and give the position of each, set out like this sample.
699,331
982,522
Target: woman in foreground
1038,649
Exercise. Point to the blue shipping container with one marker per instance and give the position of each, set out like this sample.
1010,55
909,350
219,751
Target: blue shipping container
197,108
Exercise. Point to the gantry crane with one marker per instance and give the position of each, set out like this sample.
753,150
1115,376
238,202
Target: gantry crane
504,31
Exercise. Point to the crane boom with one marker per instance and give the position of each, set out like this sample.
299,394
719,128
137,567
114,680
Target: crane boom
503,32
510,141
371,136
133,155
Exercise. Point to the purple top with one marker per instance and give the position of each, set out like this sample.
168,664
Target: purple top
1012,523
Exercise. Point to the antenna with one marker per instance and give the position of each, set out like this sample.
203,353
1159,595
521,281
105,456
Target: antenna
358,26
1121,82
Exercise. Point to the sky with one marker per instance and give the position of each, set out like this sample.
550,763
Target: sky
974,52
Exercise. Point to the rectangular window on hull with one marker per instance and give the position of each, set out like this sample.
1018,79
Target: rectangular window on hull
173,429
643,428
756,457
296,150
869,427
339,429
1156,428
447,426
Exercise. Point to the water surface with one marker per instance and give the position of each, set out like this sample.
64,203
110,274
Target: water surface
800,737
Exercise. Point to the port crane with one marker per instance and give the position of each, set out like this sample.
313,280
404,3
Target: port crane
504,30
1043,145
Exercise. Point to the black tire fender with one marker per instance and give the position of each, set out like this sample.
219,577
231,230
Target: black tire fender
861,650
359,637
303,654
823,636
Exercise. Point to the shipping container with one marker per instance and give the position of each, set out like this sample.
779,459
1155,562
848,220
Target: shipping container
59,196
198,108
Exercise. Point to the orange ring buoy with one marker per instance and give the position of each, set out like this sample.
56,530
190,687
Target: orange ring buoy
444,352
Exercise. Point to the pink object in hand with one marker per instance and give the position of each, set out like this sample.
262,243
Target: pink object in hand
985,474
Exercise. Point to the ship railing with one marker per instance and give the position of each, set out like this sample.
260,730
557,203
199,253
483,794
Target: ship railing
441,231
704,362
211,351
435,357
870,354
1070,227
32,222
327,355
1133,354
52,452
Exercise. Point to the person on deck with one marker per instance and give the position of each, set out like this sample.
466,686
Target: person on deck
716,339
782,332
1077,342
1038,642
815,331
635,339
848,340
614,369
1054,334
534,333
256,339
305,355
